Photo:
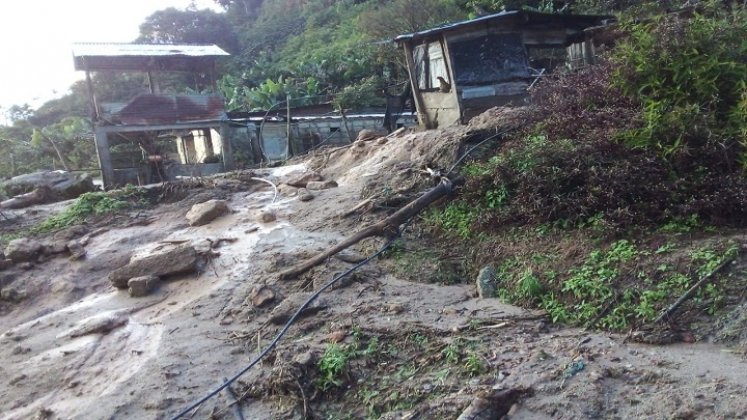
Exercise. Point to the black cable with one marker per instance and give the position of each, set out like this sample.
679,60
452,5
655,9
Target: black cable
498,134
290,322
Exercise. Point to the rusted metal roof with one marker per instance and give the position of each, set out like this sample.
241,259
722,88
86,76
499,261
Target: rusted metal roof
148,109
505,16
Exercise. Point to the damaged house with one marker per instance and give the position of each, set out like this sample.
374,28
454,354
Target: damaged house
157,136
460,70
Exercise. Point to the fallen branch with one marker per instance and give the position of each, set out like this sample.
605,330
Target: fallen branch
387,226
275,187
690,292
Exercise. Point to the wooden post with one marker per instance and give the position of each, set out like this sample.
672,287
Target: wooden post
345,124
225,147
105,160
419,105
288,124
91,94
150,82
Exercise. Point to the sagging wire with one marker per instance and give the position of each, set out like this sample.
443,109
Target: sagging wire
471,149
290,322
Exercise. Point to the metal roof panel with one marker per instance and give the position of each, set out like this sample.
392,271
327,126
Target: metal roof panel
109,49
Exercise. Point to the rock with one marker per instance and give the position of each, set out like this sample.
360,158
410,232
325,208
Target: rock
77,251
492,405
23,249
359,144
65,184
261,296
141,286
55,247
300,181
12,294
486,287
282,313
267,217
204,213
70,233
307,358
350,256
305,195
369,134
382,140
336,336
165,263
101,323
26,265
5,263
320,185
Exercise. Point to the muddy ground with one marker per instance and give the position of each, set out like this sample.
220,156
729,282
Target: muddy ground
410,349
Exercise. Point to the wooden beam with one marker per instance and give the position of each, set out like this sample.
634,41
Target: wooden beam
104,155
411,70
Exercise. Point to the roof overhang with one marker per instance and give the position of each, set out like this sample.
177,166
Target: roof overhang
145,57
510,17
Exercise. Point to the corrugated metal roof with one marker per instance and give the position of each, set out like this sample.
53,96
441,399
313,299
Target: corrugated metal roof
590,20
104,49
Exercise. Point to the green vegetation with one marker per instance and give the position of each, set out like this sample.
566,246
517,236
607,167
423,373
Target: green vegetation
93,204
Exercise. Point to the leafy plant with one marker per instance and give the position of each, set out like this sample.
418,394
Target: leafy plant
333,366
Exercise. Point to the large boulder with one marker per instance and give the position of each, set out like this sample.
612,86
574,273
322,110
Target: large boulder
204,213
23,249
65,184
165,263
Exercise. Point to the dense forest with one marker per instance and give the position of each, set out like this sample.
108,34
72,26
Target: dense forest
337,51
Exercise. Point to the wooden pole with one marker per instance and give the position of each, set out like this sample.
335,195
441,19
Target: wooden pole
288,124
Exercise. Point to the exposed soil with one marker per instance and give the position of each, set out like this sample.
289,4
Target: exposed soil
75,347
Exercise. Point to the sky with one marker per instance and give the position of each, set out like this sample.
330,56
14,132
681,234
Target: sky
36,40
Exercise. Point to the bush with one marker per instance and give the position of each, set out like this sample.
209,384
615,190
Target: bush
688,74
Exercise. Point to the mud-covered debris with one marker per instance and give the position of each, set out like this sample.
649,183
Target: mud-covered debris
493,405
321,185
350,256
261,296
300,181
13,294
23,249
282,313
100,324
204,213
336,336
141,286
305,195
486,287
307,358
267,217
177,260
369,134
76,249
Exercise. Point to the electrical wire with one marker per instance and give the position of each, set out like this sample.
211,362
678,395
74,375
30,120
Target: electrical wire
461,158
288,324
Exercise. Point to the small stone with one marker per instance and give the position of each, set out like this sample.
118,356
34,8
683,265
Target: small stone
300,181
141,286
336,336
204,213
350,256
382,140
26,265
306,358
261,296
282,313
486,287
321,185
23,249
305,195
359,144
76,249
395,308
267,217
56,247
11,294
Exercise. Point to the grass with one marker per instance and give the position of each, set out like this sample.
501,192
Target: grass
93,204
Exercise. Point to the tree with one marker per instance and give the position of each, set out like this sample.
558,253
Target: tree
173,26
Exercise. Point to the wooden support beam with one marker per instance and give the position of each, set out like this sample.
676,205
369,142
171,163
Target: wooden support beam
419,104
104,155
